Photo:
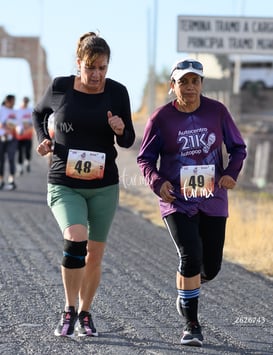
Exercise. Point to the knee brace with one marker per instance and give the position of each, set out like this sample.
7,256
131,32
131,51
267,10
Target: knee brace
74,254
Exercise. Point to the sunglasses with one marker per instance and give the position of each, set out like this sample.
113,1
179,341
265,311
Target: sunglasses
188,64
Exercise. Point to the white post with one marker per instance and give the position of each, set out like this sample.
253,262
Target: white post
152,61
236,75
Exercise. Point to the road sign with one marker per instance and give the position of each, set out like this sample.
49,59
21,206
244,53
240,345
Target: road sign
225,35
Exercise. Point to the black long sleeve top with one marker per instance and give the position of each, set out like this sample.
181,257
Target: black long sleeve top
81,123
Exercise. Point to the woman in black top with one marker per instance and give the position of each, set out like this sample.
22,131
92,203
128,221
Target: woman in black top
91,113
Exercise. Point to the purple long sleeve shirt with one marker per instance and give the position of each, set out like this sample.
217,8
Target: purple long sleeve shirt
187,150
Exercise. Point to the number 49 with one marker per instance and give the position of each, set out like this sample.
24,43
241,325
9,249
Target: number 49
196,181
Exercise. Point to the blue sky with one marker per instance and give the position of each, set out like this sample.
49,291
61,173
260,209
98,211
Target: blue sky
127,25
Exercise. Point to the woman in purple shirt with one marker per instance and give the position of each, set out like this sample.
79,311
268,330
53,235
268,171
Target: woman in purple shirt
181,158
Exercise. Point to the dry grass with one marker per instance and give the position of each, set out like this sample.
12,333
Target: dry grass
249,239
249,232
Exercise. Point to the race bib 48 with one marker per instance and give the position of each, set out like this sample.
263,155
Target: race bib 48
85,165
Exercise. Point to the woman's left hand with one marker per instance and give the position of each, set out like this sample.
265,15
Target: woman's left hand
227,182
116,123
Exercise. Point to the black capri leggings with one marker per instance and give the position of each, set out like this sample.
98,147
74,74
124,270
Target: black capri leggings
9,148
199,241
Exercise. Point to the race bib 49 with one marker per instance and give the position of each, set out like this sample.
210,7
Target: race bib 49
197,181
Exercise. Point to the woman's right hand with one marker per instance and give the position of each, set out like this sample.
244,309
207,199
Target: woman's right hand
166,192
45,147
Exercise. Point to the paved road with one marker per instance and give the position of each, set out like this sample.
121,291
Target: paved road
134,309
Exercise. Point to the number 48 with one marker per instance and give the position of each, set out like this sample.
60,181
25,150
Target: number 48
85,166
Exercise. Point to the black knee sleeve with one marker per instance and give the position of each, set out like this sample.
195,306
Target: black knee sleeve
74,254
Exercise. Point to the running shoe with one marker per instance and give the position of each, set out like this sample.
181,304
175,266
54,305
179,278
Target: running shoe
66,325
192,335
20,170
28,167
86,326
10,186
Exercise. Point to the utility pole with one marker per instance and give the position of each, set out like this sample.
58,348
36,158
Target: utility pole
40,58
152,45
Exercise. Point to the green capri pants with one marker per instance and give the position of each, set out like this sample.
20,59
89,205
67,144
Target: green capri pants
93,208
